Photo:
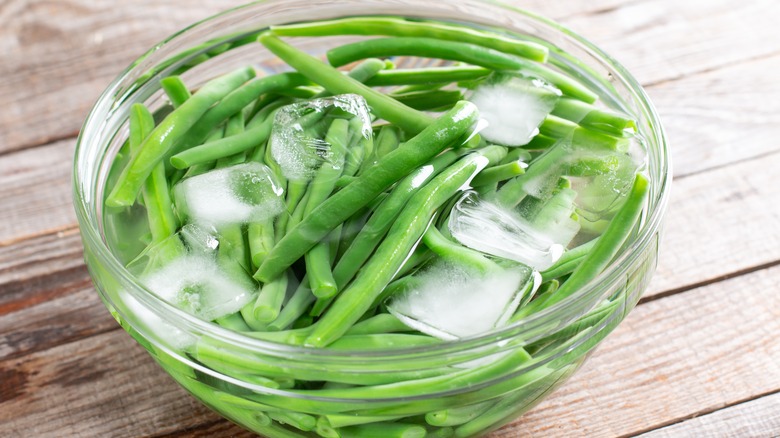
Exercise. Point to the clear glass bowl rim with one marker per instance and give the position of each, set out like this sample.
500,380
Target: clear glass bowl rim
88,219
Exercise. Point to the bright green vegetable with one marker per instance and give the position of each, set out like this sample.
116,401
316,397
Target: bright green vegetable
371,219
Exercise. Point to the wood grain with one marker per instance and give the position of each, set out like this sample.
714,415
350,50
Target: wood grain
66,61
698,358
721,116
59,55
660,40
105,385
36,193
46,272
720,223
671,358
723,332
758,418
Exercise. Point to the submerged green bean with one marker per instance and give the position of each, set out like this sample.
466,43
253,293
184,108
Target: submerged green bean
406,28
167,132
344,203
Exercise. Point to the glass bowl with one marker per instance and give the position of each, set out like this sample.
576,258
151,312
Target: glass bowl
495,378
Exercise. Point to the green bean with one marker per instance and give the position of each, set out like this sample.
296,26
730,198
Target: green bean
222,148
294,308
234,322
556,127
387,140
541,142
213,354
236,101
361,73
457,416
434,100
437,75
317,259
405,28
347,201
338,421
385,430
269,301
589,116
454,252
425,47
381,323
456,51
167,132
177,92
499,173
607,245
295,419
155,192
141,123
456,380
383,217
334,81
392,252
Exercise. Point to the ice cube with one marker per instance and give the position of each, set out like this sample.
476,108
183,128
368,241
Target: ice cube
230,195
514,107
200,286
498,231
451,301
297,141
185,271
155,326
601,177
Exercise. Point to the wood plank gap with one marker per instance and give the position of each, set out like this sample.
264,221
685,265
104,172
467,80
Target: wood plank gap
599,11
710,69
702,412
61,231
709,281
724,165
45,142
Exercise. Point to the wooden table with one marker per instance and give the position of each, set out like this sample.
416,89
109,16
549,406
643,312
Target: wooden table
700,356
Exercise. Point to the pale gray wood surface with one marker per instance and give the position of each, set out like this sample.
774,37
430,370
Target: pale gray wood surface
699,358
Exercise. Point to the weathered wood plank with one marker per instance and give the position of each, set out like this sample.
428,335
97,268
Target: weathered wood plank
720,223
722,332
101,386
50,259
759,418
659,40
671,358
722,116
49,267
36,195
62,55
59,320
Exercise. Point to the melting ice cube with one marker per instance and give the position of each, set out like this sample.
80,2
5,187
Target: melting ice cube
499,231
230,195
185,271
297,142
451,301
200,286
514,107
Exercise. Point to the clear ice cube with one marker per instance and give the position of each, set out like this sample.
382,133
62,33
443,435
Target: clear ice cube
514,107
600,177
501,232
297,143
230,195
451,301
184,270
